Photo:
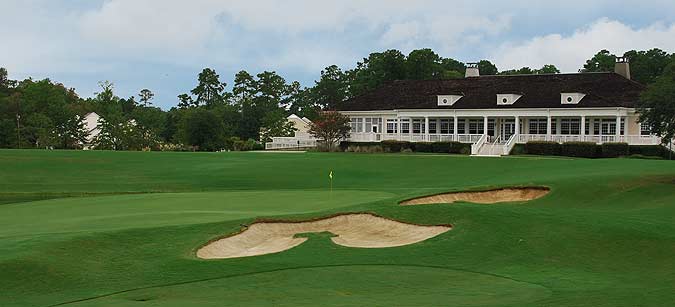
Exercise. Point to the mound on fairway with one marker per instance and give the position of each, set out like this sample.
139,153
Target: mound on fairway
482,197
351,230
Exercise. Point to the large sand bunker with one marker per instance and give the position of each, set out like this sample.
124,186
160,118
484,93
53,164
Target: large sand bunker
482,197
351,230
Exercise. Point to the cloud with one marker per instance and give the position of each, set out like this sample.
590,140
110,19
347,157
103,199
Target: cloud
570,52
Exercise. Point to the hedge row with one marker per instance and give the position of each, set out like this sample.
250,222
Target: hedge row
591,150
401,146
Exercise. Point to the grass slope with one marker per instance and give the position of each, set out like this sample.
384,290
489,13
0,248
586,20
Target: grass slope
605,236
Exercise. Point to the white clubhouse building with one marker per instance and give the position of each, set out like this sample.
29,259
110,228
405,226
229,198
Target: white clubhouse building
494,113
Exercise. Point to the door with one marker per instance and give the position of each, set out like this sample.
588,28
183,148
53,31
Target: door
508,129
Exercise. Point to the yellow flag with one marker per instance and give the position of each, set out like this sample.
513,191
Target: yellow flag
330,175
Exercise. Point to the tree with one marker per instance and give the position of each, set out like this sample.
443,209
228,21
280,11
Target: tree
487,68
209,91
646,66
423,64
547,69
330,127
185,101
145,96
4,79
375,70
202,129
522,71
602,61
657,105
331,89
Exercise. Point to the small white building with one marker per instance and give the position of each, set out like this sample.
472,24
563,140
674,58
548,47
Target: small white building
91,121
301,139
493,113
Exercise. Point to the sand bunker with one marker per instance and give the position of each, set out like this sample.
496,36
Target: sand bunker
351,230
482,197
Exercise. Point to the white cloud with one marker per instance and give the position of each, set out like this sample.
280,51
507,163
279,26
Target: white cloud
570,52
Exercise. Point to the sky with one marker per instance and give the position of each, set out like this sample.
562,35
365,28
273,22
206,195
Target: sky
163,44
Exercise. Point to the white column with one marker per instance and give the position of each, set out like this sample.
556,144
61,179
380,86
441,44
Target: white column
426,128
455,124
485,125
398,126
618,126
583,127
517,125
548,127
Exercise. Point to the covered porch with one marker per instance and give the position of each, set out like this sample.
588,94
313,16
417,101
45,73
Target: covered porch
504,127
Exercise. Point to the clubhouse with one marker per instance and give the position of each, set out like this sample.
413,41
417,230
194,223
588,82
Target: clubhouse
494,113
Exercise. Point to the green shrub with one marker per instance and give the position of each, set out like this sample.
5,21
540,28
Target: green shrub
451,147
423,147
613,150
395,146
543,148
518,149
648,150
580,149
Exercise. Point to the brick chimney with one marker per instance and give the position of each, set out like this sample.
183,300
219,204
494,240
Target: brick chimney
622,67
472,70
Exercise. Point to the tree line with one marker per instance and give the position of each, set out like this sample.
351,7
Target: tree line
213,116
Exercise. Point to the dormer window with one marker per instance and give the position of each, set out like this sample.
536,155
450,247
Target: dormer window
507,99
571,98
448,100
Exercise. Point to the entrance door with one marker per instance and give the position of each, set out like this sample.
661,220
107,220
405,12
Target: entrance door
508,129
375,129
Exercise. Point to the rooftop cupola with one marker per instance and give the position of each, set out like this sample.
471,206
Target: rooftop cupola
472,70
622,67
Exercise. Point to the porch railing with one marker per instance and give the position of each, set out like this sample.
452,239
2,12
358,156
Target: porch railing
290,143
598,139
519,138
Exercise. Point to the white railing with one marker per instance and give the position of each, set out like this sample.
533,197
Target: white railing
289,143
598,139
378,137
510,144
475,148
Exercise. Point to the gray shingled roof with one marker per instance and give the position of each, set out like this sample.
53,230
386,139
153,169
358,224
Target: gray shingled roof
539,91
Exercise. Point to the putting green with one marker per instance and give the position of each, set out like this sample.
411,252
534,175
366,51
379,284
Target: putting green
155,210
402,286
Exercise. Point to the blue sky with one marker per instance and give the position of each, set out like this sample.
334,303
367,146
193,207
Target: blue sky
163,44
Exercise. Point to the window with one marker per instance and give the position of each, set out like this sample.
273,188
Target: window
608,127
445,126
587,127
392,126
461,126
476,126
373,125
432,126
538,126
356,125
491,127
405,126
644,129
418,126
554,126
570,126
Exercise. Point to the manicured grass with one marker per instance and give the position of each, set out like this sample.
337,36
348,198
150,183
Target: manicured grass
604,236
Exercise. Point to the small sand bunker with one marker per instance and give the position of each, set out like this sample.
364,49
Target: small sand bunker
482,197
351,230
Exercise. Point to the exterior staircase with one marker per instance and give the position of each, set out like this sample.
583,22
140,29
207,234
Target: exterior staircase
497,147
